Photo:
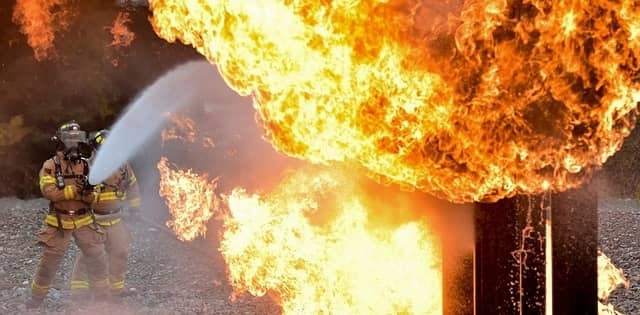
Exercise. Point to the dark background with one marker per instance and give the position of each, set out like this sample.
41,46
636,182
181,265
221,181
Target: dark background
85,79
91,82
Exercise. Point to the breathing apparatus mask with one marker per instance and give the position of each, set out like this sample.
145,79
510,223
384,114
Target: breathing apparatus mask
72,142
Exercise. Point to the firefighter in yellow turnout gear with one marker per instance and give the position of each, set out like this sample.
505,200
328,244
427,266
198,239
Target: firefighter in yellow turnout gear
63,182
118,192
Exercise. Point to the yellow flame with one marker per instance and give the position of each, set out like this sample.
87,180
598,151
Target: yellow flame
181,128
609,279
569,23
341,266
191,200
467,100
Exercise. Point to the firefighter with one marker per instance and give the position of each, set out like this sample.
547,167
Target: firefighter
114,195
63,180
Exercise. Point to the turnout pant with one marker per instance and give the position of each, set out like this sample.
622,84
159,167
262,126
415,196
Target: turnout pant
117,246
90,240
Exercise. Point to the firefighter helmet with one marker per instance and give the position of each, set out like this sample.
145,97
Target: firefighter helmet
70,136
71,140
99,137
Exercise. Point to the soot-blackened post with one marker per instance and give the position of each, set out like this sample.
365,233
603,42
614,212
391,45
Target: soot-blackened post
575,251
510,257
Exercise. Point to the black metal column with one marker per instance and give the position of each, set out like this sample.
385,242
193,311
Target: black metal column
575,252
510,275
509,257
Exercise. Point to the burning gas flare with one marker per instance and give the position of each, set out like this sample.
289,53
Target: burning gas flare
40,20
122,36
342,266
609,279
310,244
467,100
191,200
183,128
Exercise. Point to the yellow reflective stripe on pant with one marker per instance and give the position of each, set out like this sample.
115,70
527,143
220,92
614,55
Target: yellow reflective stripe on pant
68,224
117,285
109,222
39,290
36,286
79,284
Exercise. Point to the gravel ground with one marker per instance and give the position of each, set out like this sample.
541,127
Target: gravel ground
165,275
169,277
619,238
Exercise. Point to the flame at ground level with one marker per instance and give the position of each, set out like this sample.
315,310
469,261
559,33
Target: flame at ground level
341,266
609,279
311,245
191,200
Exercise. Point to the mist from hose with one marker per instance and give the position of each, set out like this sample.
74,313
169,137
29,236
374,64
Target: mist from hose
184,86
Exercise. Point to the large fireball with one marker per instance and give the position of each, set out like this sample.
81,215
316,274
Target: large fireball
470,101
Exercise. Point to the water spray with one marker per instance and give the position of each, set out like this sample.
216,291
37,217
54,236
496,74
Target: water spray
187,85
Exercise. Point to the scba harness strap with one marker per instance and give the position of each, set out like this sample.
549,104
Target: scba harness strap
60,177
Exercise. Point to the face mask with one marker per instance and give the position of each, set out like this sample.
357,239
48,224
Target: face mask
72,154
74,142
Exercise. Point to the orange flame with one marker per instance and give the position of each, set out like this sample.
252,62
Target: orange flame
122,36
468,100
182,128
273,243
471,100
40,20
310,244
609,279
190,198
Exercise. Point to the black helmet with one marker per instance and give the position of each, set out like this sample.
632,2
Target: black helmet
97,138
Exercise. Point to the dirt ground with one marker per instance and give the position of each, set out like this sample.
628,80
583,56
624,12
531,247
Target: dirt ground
165,275
619,238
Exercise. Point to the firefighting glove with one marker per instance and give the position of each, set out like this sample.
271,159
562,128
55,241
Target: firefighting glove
86,186
79,185
82,185
79,193
88,197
